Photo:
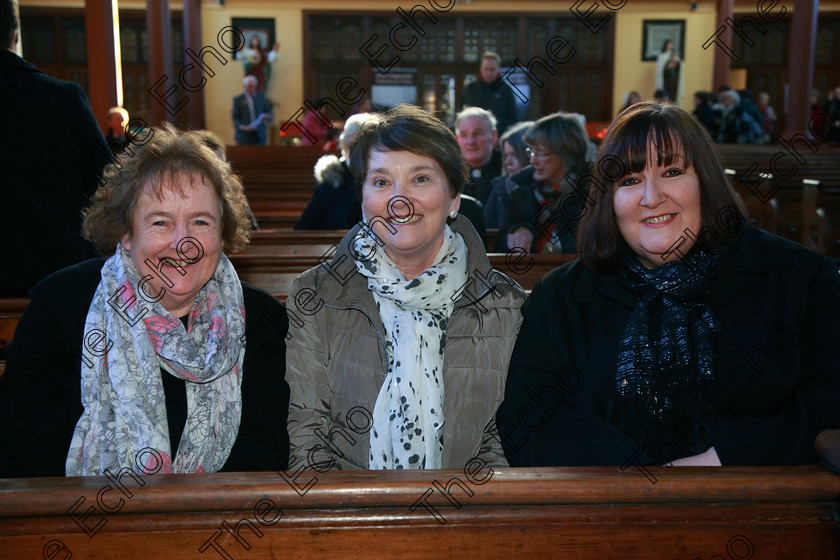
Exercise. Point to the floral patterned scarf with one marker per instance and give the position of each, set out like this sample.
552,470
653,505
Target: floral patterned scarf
408,415
125,407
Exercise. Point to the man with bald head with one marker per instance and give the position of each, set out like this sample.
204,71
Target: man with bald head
477,136
251,112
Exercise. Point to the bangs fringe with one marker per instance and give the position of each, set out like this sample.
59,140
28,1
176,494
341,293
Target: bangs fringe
632,143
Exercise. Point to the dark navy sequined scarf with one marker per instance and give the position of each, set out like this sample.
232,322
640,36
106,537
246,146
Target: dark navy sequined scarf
667,348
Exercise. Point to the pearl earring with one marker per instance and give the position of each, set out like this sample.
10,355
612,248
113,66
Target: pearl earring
453,214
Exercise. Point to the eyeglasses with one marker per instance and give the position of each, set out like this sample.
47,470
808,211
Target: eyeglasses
537,153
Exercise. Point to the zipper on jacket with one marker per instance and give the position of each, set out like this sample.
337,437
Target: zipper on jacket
379,334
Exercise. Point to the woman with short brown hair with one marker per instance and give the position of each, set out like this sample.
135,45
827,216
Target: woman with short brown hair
400,355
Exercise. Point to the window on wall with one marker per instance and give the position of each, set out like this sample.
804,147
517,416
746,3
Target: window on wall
446,59
54,41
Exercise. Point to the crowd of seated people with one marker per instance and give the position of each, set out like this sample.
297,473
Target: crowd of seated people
681,334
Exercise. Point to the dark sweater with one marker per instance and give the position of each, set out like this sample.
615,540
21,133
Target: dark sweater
40,400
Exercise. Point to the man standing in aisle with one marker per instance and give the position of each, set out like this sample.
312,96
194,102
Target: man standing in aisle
499,101
251,112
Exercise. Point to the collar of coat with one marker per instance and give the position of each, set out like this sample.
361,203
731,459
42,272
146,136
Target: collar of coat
340,285
754,251
10,59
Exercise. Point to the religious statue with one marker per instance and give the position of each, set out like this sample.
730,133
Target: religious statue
257,61
668,65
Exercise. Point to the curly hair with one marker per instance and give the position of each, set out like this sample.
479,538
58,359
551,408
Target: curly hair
166,154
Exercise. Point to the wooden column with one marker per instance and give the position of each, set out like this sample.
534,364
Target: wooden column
192,39
102,27
722,60
163,84
803,36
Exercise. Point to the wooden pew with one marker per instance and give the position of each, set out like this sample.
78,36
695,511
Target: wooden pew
11,310
306,242
278,181
275,273
293,242
273,266
576,513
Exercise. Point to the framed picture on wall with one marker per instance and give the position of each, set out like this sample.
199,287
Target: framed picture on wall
261,28
655,32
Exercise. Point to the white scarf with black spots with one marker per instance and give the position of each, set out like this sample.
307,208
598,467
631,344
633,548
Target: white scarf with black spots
408,415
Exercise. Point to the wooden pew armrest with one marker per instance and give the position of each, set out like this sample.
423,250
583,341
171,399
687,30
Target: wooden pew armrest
828,448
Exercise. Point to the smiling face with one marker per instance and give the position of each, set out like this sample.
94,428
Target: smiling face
160,222
419,227
655,206
476,138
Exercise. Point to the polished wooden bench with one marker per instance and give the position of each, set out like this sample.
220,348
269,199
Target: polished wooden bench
307,242
275,273
275,266
571,513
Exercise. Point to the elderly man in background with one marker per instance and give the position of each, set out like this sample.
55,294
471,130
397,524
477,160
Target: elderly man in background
481,93
251,112
117,136
477,135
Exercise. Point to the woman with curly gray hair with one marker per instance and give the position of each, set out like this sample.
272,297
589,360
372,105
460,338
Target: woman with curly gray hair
145,353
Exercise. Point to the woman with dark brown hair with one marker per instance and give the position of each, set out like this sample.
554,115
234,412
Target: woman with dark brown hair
405,334
683,334
142,360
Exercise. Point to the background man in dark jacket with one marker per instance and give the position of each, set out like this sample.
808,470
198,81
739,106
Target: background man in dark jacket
51,155
249,106
499,101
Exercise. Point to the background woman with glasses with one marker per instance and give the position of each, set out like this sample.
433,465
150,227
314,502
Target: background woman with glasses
545,209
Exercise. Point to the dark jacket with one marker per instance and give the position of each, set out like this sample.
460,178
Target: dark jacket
334,204
40,401
777,369
500,101
47,177
525,210
473,210
242,116
496,208
478,185
706,115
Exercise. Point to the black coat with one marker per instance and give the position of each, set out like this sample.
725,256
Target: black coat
40,392
334,204
478,186
524,210
51,155
706,115
500,101
777,369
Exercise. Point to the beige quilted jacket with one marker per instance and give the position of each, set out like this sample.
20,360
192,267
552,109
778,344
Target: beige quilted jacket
335,361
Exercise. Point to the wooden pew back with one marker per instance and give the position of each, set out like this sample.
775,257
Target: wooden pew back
572,513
